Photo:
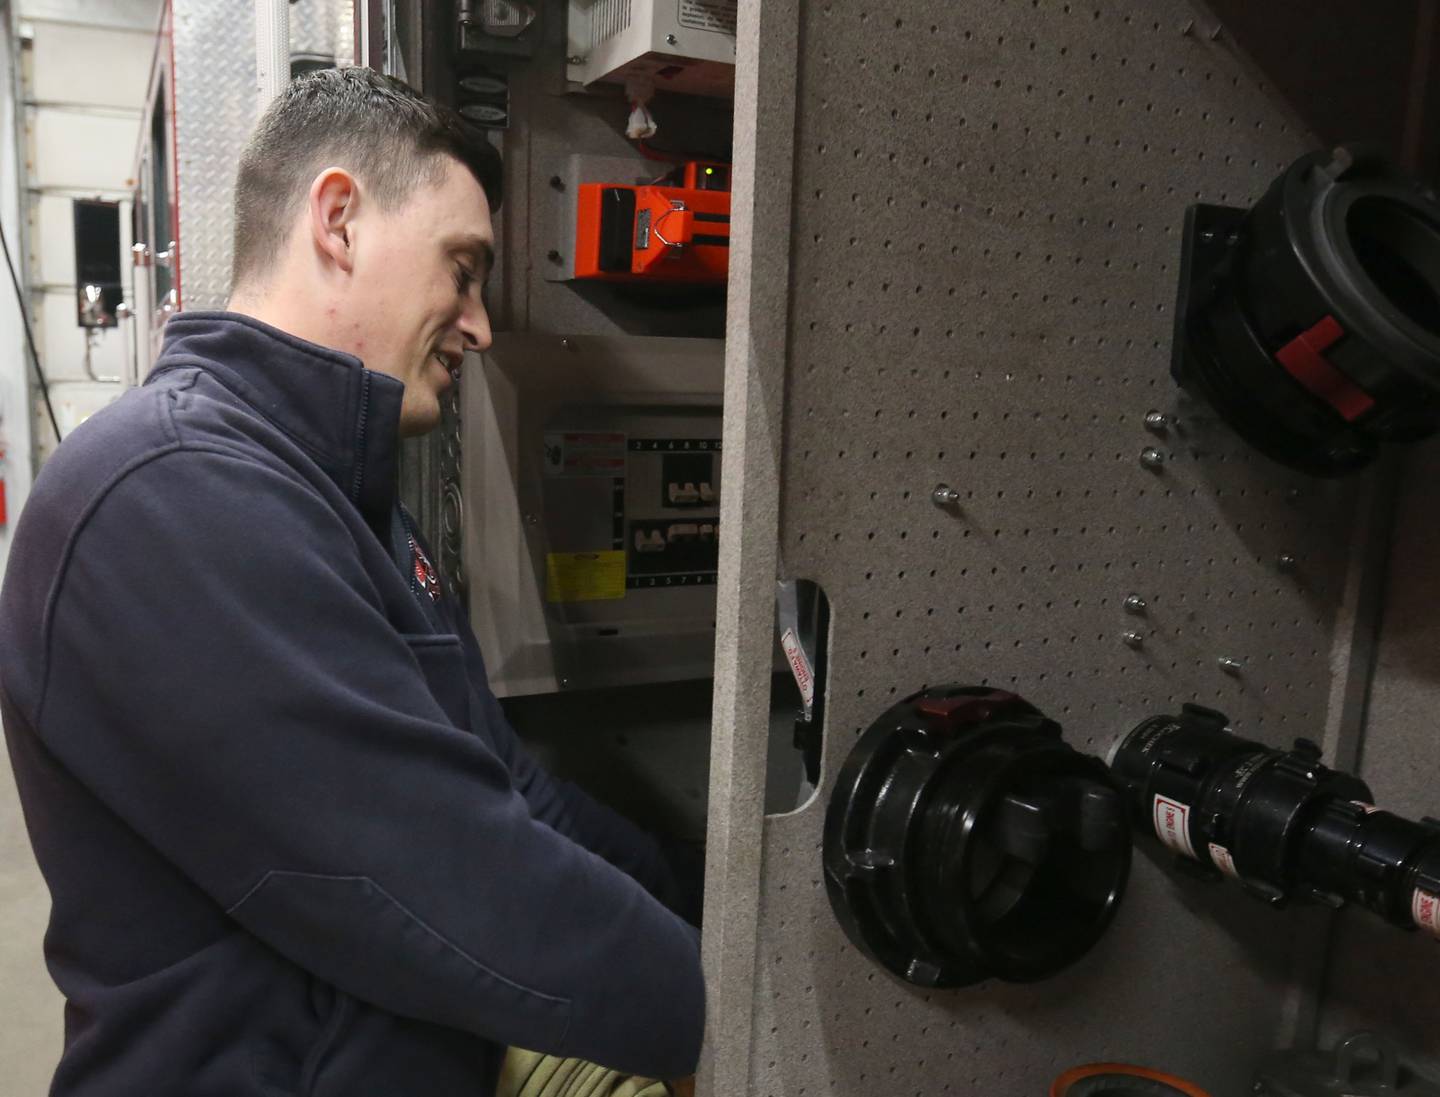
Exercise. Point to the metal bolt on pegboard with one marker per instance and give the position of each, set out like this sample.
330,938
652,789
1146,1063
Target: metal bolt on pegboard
1230,666
944,495
1286,562
1152,458
1133,639
1157,421
1135,604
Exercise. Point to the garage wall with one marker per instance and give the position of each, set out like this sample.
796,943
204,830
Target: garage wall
29,1003
84,89
79,70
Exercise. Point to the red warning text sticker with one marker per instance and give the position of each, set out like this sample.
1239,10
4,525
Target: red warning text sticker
1223,861
1426,910
1172,824
799,666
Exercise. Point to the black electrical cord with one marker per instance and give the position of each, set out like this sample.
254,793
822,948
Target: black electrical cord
29,334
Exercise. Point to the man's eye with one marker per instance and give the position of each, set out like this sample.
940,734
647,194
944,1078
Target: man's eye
463,279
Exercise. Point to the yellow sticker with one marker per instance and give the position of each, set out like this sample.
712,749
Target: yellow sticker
584,576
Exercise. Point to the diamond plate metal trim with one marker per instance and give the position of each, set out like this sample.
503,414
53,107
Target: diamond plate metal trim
323,27
215,109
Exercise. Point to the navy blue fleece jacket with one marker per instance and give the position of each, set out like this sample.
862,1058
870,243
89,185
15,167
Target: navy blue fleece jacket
292,843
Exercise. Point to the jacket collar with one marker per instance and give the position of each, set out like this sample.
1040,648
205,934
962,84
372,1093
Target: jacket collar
345,416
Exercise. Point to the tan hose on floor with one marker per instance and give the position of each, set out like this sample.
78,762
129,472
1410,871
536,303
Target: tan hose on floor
531,1074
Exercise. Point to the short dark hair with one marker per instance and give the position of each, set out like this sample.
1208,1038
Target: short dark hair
386,133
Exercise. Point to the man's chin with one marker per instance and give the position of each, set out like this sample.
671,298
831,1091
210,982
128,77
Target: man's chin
421,420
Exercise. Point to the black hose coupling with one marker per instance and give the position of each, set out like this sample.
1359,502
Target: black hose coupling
1277,821
965,841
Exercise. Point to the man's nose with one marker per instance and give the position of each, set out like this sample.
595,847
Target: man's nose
475,327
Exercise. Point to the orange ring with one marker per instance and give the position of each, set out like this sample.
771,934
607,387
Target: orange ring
1063,1083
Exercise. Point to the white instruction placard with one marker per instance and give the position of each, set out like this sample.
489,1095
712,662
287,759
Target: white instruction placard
716,15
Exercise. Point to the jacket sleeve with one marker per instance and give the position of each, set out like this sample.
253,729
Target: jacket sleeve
222,675
568,809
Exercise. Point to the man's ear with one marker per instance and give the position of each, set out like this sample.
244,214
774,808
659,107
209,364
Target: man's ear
334,201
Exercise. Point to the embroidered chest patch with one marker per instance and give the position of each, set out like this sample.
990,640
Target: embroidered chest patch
426,577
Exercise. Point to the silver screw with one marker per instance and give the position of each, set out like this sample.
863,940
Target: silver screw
1157,421
575,59
945,496
1152,458
566,344
531,519
1135,604
1286,562
1133,639
670,39
1231,666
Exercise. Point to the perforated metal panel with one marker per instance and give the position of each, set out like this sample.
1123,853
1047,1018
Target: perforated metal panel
215,108
986,213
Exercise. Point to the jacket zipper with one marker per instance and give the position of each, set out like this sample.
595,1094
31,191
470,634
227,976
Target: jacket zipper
360,436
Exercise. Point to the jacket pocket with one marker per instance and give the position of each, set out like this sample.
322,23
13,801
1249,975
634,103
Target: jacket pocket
442,662
301,1030
342,1008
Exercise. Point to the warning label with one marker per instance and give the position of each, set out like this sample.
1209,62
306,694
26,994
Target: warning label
584,453
799,666
584,576
716,15
1426,910
1223,861
1172,824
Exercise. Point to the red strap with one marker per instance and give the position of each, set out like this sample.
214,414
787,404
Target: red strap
965,708
1303,357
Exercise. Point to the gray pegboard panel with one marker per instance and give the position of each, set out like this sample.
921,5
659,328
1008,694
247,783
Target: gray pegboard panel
986,213
1380,978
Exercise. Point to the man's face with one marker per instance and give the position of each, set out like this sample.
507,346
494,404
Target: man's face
414,303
